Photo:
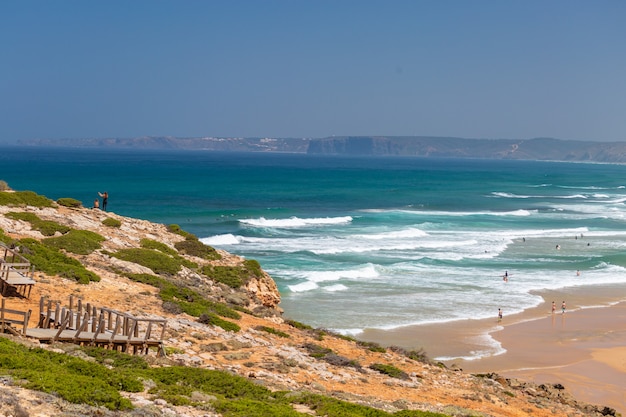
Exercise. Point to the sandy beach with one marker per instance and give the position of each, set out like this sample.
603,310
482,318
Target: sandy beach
583,349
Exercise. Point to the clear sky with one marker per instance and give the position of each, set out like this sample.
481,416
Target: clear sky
293,68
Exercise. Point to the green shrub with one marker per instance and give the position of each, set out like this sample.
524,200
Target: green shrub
234,276
69,202
46,227
248,407
371,346
317,351
188,301
416,355
51,261
24,216
332,407
111,222
158,262
390,370
298,325
24,198
4,238
193,247
80,242
272,330
160,246
68,377
174,228
81,382
215,320
193,303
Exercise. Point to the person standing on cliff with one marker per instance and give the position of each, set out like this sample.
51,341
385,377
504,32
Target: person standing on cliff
105,199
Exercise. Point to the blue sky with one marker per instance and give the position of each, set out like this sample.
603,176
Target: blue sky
292,68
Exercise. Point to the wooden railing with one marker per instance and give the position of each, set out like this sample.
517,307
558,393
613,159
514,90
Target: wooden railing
86,324
16,272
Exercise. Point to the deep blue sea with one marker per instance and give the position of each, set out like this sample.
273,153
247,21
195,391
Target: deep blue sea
357,243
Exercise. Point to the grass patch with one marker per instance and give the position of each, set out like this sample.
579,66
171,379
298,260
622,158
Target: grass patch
53,262
332,407
272,330
234,276
189,301
46,227
100,383
298,325
24,198
111,222
155,260
156,245
69,202
71,378
80,242
390,370
416,355
193,247
215,320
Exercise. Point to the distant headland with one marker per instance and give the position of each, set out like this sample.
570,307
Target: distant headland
407,146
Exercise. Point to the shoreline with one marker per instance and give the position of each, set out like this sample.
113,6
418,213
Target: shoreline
583,349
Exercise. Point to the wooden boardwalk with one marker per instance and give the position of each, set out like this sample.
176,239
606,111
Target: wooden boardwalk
88,325
16,273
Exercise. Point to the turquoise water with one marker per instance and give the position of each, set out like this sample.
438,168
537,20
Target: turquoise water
357,243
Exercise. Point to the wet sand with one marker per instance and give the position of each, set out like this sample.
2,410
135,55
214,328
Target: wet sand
583,349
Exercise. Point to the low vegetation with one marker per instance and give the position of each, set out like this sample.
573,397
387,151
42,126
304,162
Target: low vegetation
189,301
99,382
390,370
234,276
193,247
272,330
52,261
46,227
157,261
69,202
111,222
80,242
24,198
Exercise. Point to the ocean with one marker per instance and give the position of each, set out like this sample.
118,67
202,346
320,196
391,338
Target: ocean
360,243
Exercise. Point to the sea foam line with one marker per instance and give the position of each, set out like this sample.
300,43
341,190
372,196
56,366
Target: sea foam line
296,222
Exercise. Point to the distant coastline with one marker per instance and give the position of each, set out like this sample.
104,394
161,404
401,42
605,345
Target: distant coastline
542,149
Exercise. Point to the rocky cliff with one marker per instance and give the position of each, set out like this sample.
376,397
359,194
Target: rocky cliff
408,146
266,347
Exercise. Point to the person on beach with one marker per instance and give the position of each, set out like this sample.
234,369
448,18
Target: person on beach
499,314
578,272
96,203
505,277
563,307
553,307
105,199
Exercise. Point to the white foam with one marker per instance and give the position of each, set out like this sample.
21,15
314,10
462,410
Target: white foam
294,222
304,286
219,240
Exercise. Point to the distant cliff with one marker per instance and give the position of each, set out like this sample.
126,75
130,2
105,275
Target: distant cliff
422,146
